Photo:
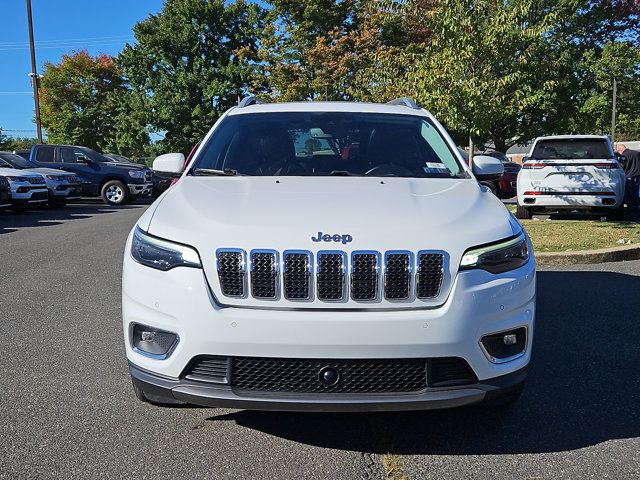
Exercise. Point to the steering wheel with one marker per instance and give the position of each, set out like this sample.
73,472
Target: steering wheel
389,170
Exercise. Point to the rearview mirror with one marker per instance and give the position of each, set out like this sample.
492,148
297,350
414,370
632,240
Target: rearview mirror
485,167
172,163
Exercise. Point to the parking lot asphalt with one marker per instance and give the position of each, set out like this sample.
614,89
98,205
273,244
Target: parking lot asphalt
67,409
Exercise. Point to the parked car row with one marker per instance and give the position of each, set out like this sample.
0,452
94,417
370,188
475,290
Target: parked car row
55,174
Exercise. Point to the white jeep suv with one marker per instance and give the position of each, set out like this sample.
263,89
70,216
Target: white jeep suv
328,257
571,172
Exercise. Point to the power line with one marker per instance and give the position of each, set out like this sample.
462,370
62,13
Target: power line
65,40
64,46
16,93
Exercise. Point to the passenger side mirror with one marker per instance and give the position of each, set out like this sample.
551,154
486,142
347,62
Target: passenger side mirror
171,163
622,159
485,167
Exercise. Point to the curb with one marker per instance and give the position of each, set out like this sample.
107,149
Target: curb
602,255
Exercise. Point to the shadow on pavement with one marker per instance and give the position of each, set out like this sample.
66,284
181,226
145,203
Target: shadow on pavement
583,386
11,221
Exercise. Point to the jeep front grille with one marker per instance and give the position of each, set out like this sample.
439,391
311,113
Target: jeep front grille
397,279
429,276
367,276
264,273
331,273
297,275
231,272
364,275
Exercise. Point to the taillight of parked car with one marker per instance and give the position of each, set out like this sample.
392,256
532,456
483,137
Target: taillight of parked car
535,166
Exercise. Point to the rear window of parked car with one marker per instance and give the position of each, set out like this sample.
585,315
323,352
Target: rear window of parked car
572,149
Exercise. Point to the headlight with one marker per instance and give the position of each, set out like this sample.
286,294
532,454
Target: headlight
17,179
162,254
498,257
136,173
56,177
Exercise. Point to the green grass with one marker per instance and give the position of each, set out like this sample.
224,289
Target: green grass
583,234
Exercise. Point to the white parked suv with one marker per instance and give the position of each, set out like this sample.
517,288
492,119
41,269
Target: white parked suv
328,257
571,172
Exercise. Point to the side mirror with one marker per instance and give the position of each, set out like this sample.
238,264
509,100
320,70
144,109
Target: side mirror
525,159
171,163
485,167
621,158
83,159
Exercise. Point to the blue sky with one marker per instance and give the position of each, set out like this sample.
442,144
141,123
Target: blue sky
60,26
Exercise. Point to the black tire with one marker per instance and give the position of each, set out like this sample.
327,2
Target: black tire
491,186
504,398
114,192
57,203
615,215
139,393
523,213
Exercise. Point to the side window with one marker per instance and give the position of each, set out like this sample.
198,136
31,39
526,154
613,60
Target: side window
439,146
70,155
45,154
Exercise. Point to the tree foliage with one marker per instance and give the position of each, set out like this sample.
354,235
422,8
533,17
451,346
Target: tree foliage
77,99
191,62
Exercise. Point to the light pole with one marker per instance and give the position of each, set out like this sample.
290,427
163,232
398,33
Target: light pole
613,110
34,73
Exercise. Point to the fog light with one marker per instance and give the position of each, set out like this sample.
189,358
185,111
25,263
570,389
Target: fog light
153,342
505,346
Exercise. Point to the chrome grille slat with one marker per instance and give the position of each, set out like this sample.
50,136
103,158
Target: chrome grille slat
398,273
296,275
231,272
264,273
365,267
331,273
429,274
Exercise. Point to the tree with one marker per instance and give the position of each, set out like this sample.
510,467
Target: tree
77,99
191,62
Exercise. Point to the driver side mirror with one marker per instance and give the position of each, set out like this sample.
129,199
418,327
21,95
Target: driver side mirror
622,159
169,163
83,159
485,167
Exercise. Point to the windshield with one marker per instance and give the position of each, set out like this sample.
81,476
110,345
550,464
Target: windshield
572,148
16,160
95,156
327,143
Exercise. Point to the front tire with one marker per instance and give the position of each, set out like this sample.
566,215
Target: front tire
114,192
57,203
523,213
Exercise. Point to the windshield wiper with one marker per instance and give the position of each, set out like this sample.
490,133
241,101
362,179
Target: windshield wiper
212,171
341,173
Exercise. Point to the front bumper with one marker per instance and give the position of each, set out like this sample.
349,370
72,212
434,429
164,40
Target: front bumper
180,301
29,195
167,390
68,191
140,188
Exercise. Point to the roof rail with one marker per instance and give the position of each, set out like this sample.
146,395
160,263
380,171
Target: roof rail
250,100
404,102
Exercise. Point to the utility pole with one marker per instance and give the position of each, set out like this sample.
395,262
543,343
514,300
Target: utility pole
613,110
470,151
34,73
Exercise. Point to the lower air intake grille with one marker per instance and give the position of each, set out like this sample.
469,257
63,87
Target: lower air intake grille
303,375
331,276
264,273
364,276
208,369
231,273
449,371
297,276
429,277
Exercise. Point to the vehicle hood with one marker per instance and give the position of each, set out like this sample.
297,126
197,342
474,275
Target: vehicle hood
48,171
284,213
20,173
